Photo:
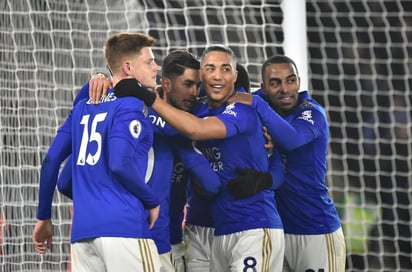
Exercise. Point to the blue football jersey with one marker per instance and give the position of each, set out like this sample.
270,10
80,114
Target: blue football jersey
160,178
110,147
302,137
242,147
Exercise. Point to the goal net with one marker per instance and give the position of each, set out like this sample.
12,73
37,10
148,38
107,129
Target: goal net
360,71
358,68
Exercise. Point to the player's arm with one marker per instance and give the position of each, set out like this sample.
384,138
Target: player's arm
123,145
99,84
153,216
95,89
285,135
42,235
131,176
199,167
82,94
58,151
276,169
64,182
275,161
56,154
191,126
250,181
128,173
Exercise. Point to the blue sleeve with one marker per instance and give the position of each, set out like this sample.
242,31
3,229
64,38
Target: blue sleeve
83,93
64,183
198,166
128,152
160,126
238,119
286,136
124,168
58,151
276,169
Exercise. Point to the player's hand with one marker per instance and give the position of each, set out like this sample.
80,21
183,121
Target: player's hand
98,86
241,97
249,182
269,143
42,236
132,87
153,215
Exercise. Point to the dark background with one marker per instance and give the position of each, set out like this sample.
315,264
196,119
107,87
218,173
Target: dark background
359,69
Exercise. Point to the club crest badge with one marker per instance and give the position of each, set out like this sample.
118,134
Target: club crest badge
307,116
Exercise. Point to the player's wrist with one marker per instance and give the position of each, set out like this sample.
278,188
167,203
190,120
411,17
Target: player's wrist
132,87
101,74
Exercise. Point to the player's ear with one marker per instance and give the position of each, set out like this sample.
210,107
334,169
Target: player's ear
200,75
125,67
166,84
263,87
236,75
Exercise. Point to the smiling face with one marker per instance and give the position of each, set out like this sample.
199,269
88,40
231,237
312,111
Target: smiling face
281,84
218,75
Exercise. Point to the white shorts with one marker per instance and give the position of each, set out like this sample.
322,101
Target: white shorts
249,251
325,252
166,261
113,254
198,241
178,256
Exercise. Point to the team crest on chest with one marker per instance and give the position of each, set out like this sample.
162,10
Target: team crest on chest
135,128
307,116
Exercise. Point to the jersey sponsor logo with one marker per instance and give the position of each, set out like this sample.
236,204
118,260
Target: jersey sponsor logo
135,128
178,172
157,121
213,154
229,110
307,116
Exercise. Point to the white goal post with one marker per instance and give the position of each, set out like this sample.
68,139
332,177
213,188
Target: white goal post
353,56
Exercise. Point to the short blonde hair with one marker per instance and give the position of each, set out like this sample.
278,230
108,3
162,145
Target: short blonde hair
122,45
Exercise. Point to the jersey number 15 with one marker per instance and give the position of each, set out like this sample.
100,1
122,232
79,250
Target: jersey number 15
93,136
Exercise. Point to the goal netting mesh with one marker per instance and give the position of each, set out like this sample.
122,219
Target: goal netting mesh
358,68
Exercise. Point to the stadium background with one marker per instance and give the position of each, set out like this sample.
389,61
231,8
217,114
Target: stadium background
358,68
